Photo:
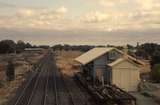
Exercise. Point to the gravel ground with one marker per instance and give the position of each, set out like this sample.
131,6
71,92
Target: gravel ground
142,100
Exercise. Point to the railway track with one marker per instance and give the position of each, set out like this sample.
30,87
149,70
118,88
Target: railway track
24,96
38,92
47,86
51,97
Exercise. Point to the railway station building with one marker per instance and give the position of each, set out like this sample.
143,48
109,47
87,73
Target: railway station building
111,66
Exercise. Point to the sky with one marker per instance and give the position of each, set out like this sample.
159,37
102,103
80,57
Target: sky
93,22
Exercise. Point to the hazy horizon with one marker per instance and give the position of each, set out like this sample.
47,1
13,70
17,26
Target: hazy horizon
80,22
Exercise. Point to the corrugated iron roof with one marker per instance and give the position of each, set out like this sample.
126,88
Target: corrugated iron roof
99,51
92,54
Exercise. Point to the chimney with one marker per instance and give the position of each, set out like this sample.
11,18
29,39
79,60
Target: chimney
125,55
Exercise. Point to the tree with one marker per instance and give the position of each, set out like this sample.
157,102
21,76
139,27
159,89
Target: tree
149,51
155,73
44,46
10,72
7,46
28,45
20,46
155,57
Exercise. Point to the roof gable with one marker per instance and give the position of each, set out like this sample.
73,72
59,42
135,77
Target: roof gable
120,60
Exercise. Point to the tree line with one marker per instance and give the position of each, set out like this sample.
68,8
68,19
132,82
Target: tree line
66,47
148,51
151,51
10,46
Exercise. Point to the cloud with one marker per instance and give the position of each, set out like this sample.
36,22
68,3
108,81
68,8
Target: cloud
127,5
124,14
109,15
62,10
148,5
25,12
99,22
111,3
36,18
82,36
6,5
95,17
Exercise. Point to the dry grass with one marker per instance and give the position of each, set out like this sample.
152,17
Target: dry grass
22,64
65,61
1,71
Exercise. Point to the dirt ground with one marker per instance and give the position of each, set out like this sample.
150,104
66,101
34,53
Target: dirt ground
157,96
65,61
143,100
23,63
152,90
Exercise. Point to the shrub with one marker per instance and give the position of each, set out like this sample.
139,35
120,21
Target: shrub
1,83
10,71
155,73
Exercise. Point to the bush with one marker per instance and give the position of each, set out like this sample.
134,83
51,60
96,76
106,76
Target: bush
10,72
146,94
1,83
7,46
155,73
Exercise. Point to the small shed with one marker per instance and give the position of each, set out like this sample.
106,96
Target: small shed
125,74
111,66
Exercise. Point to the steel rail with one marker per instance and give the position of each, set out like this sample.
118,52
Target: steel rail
34,88
66,87
46,86
55,87
27,85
